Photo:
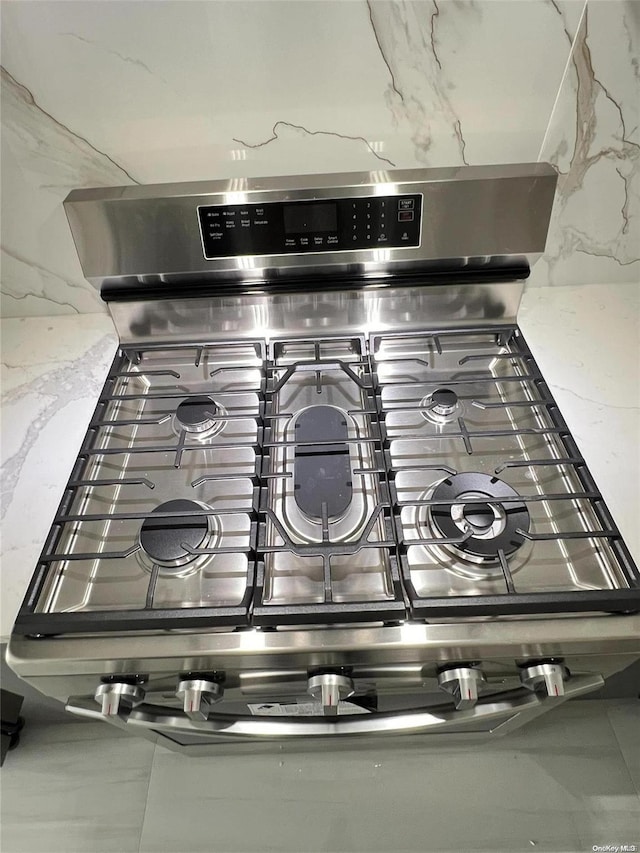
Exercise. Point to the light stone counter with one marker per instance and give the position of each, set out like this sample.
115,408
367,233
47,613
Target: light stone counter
53,369
586,341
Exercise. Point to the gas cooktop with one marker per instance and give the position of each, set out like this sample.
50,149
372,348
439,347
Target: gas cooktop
327,480
325,477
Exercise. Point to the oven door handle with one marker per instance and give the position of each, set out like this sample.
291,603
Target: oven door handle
496,716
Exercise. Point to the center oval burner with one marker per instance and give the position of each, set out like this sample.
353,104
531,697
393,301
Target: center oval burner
322,476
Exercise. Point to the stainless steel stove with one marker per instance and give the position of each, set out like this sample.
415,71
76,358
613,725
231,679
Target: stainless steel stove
326,490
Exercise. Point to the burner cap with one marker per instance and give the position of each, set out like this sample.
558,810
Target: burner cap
197,414
322,471
493,524
162,538
480,517
444,398
440,404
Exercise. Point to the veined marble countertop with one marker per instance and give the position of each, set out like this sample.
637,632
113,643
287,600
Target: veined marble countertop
585,339
53,369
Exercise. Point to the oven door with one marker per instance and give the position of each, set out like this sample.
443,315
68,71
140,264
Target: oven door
269,723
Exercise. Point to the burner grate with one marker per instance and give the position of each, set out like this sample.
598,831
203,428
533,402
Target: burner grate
309,368
576,550
416,408
54,604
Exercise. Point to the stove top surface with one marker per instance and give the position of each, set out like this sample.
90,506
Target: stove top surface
328,480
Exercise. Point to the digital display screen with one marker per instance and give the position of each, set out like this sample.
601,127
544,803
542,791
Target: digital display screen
310,218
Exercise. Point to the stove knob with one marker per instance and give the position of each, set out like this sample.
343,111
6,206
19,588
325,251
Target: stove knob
330,688
545,675
198,695
115,696
463,683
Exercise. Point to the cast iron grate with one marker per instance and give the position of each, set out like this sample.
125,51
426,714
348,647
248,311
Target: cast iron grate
378,532
126,366
528,377
383,531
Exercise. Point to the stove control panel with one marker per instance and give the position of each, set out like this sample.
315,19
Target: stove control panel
301,227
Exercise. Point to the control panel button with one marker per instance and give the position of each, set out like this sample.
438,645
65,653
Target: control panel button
405,216
406,204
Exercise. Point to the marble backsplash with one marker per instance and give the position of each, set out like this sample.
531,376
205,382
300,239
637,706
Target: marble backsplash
97,94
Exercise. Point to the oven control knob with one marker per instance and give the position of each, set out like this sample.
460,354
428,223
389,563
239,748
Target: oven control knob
115,696
329,688
550,676
463,683
198,695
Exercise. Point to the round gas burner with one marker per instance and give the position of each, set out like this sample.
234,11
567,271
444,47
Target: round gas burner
163,539
199,415
444,401
440,405
475,504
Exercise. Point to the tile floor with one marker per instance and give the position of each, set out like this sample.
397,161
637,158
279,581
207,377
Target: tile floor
565,783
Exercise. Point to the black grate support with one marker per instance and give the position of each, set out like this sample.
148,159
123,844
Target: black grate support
511,602
377,533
